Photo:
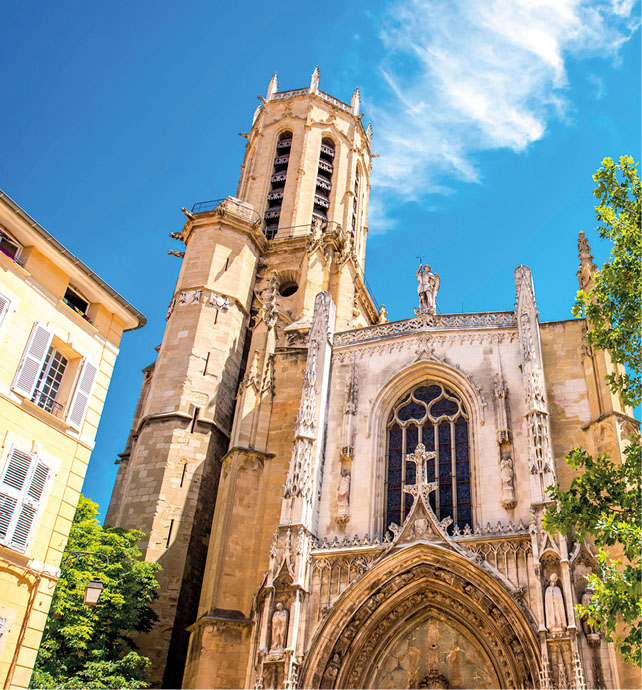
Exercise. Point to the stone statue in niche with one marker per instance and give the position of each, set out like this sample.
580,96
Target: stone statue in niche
554,607
279,627
343,497
589,630
507,474
428,284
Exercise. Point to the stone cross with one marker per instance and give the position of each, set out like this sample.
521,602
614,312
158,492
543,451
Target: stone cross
422,487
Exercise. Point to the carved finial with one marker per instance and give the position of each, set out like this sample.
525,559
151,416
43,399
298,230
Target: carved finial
369,133
355,102
586,271
256,112
272,86
383,314
314,80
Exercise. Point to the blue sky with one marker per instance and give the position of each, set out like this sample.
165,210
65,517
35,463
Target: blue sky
489,119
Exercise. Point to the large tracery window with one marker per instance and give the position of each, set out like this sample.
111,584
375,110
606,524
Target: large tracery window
435,416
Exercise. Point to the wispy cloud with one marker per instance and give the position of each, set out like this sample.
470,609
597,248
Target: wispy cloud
465,76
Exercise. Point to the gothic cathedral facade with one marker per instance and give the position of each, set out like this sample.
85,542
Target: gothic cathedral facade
339,501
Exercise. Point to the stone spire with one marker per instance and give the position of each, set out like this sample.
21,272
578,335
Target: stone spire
355,103
586,271
273,87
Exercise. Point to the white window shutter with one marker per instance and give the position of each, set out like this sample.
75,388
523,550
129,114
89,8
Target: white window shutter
32,360
4,306
82,395
13,516
17,469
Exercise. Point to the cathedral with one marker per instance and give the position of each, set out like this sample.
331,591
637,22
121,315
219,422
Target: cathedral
340,501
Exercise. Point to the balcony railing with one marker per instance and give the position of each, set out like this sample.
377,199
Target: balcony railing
47,403
231,205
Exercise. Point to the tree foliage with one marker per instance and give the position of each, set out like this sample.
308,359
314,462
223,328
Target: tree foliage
613,306
604,501
91,647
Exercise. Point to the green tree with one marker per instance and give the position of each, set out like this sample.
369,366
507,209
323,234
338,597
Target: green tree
91,647
603,502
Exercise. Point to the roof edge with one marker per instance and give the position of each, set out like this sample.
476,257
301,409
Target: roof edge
139,316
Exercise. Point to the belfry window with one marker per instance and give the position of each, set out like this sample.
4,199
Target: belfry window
279,175
324,180
355,204
433,415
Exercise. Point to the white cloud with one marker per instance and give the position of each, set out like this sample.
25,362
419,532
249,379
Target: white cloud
472,75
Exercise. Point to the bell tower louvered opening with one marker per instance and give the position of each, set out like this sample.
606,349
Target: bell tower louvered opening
279,175
324,180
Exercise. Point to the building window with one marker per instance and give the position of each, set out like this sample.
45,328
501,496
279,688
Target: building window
324,180
279,175
4,307
41,375
49,380
22,487
355,205
74,301
435,416
9,247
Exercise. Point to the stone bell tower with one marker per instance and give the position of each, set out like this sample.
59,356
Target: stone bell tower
205,461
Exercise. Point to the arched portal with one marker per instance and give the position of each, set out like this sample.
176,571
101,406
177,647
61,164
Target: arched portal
424,616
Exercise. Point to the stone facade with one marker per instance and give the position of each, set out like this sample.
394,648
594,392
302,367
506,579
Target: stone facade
379,486
60,331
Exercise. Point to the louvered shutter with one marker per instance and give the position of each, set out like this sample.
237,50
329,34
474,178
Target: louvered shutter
82,395
4,306
30,504
32,360
11,486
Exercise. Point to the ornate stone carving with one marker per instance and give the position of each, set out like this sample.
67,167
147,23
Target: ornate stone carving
554,607
428,284
199,296
343,498
279,628
299,481
383,314
507,474
269,310
537,422
586,271
504,439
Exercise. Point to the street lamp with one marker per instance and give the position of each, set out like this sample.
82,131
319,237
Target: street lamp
94,588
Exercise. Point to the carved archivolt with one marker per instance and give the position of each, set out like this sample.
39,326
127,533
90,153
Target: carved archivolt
420,581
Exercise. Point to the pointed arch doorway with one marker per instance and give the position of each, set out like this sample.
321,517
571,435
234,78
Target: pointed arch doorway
424,616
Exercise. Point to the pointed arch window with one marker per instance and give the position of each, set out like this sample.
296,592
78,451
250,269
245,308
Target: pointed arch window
435,416
279,175
324,180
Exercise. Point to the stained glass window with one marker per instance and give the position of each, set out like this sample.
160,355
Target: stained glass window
435,416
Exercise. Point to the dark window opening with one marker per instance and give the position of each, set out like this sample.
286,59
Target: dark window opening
9,247
324,180
279,175
287,289
76,302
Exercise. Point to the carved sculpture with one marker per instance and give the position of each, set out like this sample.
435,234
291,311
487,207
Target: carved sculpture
589,630
383,314
586,271
507,476
343,498
428,284
554,607
279,627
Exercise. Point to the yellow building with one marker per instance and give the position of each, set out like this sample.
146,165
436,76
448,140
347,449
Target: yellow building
60,329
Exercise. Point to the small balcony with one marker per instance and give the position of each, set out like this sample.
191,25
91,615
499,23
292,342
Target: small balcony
47,403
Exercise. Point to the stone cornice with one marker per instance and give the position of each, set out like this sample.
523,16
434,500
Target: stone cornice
427,323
